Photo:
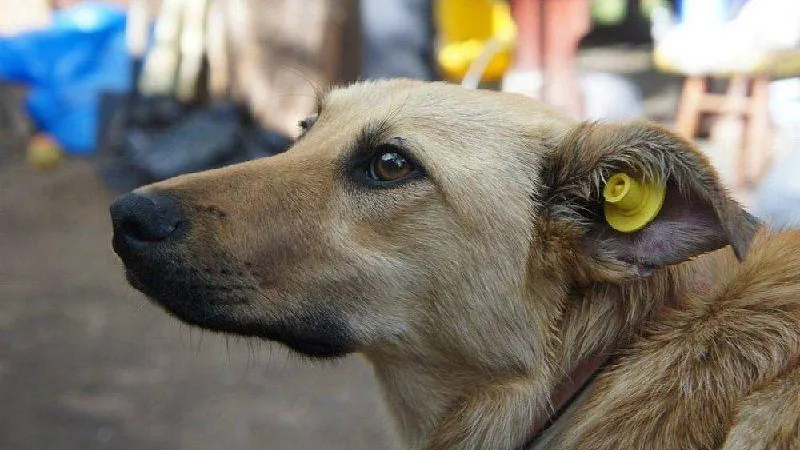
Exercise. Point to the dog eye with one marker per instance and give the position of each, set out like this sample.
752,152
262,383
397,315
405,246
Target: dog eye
306,124
390,165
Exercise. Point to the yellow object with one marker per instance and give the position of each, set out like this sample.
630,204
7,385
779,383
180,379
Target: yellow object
44,153
631,204
466,28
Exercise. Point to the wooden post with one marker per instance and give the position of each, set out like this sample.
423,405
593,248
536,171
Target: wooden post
688,118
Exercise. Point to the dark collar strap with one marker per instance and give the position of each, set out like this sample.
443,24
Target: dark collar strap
568,390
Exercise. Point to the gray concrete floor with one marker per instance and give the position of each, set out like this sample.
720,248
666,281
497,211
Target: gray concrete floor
88,363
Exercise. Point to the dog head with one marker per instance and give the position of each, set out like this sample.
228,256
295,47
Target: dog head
418,219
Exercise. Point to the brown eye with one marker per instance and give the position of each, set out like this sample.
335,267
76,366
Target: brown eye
390,166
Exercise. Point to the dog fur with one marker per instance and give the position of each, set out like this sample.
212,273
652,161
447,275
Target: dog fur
477,286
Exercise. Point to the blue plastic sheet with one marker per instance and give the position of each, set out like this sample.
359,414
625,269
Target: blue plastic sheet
67,66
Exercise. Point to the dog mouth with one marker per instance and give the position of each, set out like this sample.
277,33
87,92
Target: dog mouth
192,297
227,307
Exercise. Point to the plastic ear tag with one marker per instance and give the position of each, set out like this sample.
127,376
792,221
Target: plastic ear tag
631,204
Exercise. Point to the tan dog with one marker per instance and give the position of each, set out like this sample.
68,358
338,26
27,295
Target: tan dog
457,240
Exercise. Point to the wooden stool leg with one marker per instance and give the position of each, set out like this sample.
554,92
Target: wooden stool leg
759,142
731,122
735,97
688,118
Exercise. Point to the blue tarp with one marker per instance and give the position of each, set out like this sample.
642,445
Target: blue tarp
67,66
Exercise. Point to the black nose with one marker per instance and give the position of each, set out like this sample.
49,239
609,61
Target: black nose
145,217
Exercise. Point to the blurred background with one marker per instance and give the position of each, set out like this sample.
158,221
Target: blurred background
97,98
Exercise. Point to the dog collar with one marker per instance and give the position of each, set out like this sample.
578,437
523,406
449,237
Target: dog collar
567,391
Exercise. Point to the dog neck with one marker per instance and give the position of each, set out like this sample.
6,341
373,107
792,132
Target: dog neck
593,321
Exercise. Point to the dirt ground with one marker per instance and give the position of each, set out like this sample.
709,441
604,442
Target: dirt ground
88,363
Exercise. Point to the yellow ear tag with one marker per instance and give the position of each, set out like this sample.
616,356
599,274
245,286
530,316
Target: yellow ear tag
631,204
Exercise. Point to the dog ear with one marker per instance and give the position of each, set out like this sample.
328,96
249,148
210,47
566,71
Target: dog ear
687,212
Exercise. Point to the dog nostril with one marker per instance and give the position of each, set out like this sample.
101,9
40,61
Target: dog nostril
132,228
145,217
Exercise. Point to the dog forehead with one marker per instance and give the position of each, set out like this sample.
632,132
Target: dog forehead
403,98
441,113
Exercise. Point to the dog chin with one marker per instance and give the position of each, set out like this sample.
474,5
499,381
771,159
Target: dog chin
319,333
332,344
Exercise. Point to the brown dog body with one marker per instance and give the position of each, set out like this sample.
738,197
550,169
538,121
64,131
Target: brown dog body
717,369
456,239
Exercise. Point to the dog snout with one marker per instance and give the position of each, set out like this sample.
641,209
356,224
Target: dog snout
141,218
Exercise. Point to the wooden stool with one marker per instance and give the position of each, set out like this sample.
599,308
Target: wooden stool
747,98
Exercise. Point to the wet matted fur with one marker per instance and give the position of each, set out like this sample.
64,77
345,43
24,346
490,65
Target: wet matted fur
482,278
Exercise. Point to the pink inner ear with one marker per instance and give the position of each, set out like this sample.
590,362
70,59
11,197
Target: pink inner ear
684,228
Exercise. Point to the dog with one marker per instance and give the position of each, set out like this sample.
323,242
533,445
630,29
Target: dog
459,241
